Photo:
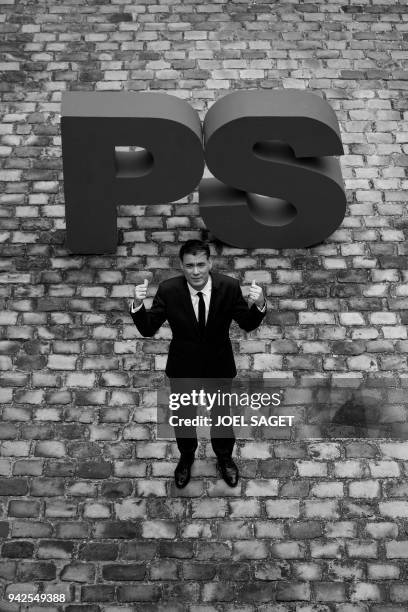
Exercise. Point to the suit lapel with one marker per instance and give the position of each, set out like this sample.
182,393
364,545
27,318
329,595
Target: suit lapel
215,297
188,305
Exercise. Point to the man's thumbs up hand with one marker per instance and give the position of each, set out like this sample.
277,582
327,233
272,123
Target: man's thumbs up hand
141,292
256,295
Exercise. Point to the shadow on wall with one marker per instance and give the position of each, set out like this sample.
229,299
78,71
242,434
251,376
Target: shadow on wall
363,417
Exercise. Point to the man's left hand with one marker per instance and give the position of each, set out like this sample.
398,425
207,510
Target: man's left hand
256,295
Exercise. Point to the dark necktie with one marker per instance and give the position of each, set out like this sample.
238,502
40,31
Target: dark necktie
201,312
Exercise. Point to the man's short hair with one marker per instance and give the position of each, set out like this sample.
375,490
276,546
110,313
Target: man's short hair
193,247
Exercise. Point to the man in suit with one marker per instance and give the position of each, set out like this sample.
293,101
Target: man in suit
200,306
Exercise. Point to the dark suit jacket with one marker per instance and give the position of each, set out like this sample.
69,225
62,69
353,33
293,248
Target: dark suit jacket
191,355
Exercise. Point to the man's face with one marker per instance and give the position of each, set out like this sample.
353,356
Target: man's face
196,269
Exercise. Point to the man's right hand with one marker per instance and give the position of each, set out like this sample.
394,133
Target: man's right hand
140,293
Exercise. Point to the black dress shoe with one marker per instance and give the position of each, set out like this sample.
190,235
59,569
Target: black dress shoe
182,472
229,471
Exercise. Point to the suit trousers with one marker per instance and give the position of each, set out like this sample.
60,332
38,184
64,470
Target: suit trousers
222,436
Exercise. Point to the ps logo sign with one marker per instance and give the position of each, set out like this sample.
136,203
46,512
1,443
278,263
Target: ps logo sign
276,185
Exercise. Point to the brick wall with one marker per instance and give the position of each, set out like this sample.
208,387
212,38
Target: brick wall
88,508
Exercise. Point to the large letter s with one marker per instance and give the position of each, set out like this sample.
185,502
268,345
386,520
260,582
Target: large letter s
279,186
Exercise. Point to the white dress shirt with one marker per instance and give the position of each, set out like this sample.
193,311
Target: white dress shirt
206,291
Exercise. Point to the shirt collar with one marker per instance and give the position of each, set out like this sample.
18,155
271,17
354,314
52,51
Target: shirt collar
205,290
